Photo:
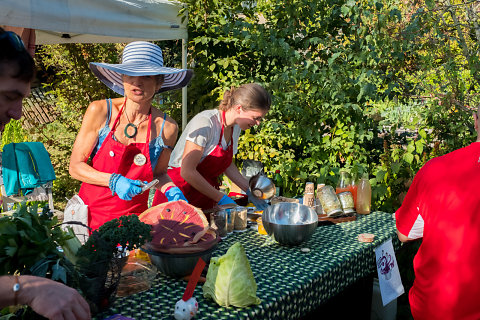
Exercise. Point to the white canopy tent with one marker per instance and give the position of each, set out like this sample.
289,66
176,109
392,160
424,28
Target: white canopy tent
100,21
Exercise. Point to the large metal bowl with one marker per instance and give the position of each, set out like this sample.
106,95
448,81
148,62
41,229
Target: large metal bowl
290,223
178,265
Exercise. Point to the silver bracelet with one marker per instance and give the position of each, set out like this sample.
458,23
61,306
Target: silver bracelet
16,287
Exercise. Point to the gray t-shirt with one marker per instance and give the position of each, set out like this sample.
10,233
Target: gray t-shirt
203,130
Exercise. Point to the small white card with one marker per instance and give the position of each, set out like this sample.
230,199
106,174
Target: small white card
389,279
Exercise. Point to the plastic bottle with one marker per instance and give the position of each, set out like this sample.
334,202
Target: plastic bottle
278,181
364,195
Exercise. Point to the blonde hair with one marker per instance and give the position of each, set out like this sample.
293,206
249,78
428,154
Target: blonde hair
251,96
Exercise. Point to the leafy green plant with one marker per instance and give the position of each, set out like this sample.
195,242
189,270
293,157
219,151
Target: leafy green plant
27,238
30,242
128,232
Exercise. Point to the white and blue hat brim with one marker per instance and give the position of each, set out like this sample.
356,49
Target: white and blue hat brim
140,59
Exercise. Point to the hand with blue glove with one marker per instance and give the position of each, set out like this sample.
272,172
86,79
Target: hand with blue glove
260,204
226,200
125,188
174,194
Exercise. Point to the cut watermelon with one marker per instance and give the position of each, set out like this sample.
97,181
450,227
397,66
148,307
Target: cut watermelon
178,224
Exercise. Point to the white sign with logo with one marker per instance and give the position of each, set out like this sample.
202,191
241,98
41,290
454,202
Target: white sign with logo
389,279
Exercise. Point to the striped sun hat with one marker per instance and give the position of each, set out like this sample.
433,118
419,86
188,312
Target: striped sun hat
140,58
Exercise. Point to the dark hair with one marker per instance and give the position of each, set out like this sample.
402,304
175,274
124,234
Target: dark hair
15,58
250,96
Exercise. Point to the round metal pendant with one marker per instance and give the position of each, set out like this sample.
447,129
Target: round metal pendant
140,159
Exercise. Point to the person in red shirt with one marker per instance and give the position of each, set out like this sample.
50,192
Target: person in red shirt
442,207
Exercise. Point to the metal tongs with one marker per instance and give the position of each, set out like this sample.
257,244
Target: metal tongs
149,185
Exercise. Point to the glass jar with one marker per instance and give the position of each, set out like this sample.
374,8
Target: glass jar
218,221
240,223
346,199
329,200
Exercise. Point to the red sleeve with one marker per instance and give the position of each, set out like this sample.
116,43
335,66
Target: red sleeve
412,205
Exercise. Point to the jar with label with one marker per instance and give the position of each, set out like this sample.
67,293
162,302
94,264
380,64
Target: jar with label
318,204
309,195
329,200
346,199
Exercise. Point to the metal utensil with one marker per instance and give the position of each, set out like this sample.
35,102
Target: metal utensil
149,185
262,187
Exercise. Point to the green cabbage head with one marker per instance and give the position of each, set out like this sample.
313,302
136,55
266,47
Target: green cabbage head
230,280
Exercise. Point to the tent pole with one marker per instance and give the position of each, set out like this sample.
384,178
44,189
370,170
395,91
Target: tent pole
184,89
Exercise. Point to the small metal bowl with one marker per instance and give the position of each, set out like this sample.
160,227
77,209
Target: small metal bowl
262,187
290,223
178,265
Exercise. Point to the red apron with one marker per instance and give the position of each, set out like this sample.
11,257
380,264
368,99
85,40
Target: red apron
116,157
211,167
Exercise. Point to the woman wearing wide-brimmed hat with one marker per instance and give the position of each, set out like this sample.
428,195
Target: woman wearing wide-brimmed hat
128,141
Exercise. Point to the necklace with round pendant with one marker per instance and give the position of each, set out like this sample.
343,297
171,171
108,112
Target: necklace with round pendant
132,125
135,130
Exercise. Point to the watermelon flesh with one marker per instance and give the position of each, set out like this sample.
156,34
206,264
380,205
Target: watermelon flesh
175,224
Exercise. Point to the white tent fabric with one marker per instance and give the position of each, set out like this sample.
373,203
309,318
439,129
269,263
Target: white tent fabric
99,21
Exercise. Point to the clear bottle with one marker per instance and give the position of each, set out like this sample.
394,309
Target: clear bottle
344,182
278,181
364,195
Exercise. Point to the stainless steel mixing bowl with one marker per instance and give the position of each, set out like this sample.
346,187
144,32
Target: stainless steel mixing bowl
290,223
178,265
262,187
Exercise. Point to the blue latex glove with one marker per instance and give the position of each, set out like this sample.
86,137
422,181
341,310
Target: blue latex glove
125,188
260,204
174,194
226,200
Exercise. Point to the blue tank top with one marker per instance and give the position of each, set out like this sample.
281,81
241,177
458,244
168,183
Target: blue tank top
156,145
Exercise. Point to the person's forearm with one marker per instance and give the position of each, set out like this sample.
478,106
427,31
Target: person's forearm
6,291
23,295
234,174
85,173
403,238
196,180
164,182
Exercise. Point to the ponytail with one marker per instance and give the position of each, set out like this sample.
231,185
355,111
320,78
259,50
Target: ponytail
250,96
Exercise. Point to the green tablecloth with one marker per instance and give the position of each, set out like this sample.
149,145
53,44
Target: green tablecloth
291,283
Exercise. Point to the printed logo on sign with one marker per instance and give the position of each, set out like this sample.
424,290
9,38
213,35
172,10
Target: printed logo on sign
385,264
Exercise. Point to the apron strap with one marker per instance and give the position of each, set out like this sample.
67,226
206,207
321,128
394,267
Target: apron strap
114,126
221,133
150,126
